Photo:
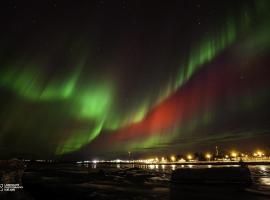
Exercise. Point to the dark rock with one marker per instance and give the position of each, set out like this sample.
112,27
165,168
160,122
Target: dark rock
224,175
11,171
101,172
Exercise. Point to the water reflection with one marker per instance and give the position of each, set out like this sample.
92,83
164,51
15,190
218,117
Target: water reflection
265,181
167,167
163,167
262,168
260,173
152,166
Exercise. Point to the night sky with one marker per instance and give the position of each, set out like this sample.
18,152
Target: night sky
86,79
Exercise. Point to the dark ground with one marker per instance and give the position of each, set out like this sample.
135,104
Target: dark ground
73,182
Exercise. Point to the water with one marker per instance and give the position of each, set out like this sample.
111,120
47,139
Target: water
260,173
261,177
129,181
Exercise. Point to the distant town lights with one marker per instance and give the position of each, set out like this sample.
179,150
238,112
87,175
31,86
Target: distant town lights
182,160
234,154
208,156
163,160
173,158
260,153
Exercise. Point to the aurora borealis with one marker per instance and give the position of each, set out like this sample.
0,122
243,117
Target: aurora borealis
108,77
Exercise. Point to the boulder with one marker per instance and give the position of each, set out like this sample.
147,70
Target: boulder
11,171
215,175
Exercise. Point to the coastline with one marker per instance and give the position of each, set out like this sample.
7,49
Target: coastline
191,163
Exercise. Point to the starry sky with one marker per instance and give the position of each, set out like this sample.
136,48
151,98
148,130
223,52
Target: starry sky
80,79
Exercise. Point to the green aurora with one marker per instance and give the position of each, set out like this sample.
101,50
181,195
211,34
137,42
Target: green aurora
76,104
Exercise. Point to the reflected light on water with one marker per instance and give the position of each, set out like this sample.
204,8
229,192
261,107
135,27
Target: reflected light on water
152,166
118,166
265,181
163,167
173,167
262,168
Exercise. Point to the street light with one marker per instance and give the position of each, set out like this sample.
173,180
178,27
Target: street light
173,158
260,154
189,157
234,154
163,160
208,156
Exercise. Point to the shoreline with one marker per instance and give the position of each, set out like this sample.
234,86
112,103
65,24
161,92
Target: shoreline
187,163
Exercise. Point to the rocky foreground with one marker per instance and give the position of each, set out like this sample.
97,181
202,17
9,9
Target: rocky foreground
83,183
68,181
